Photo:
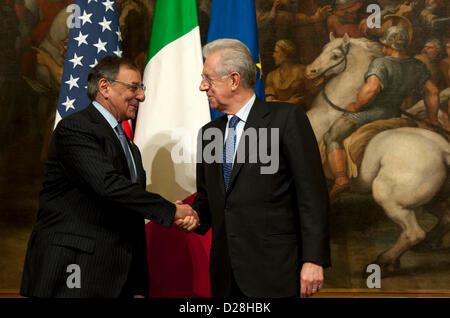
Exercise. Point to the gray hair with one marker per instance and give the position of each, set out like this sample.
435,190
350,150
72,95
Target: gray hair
234,57
107,68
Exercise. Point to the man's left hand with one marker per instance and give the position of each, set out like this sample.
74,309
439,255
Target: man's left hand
311,279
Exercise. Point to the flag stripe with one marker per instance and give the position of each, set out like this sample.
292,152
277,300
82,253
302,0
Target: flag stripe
182,11
174,109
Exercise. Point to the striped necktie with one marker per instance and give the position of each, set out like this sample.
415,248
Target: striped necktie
228,150
124,143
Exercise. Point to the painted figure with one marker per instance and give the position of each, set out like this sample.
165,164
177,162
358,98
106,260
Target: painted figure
287,82
404,168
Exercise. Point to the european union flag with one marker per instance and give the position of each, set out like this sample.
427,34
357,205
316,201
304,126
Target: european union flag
94,33
236,19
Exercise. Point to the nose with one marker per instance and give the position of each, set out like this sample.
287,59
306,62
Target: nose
140,95
203,85
310,71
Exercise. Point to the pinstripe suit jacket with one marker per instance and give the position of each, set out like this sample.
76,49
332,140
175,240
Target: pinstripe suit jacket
91,214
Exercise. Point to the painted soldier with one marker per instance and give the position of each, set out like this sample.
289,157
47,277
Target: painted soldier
388,81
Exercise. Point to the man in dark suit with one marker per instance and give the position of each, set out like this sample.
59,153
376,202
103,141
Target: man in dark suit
269,223
89,238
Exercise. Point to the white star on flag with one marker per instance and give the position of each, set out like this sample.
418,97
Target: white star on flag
119,35
100,46
72,82
105,25
81,38
95,63
118,52
69,103
108,5
76,60
85,17
93,39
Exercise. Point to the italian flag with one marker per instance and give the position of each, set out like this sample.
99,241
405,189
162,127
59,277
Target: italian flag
174,109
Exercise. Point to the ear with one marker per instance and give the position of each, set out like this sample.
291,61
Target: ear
332,38
235,80
346,39
104,88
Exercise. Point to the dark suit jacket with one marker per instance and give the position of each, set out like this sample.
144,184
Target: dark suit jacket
91,214
266,225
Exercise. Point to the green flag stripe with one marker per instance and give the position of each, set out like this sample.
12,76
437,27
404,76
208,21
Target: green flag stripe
172,19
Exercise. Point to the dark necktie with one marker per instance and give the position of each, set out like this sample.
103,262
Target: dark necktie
228,150
123,141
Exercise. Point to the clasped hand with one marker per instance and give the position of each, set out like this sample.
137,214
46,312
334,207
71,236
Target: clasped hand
186,219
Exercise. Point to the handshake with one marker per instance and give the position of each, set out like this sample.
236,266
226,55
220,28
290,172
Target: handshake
186,219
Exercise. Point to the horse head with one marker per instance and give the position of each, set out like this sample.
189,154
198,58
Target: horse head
332,60
52,44
58,32
345,60
340,53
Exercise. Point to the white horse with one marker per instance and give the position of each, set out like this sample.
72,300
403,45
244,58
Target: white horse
404,168
52,43
44,83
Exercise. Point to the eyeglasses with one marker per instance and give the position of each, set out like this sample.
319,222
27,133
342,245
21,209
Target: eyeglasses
210,81
134,87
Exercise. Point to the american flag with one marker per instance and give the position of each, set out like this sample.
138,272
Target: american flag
94,33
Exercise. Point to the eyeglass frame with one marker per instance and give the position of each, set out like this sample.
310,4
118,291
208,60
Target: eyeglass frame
134,87
210,81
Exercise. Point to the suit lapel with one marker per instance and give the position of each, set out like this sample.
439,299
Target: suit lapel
103,127
219,167
257,118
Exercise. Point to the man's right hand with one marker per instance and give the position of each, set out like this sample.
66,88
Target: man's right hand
186,219
183,210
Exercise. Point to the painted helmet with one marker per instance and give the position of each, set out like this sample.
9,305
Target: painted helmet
396,37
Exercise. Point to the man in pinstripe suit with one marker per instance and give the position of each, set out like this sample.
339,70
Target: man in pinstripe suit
89,238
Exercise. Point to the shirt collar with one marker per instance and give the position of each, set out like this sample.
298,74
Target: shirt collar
112,121
244,111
